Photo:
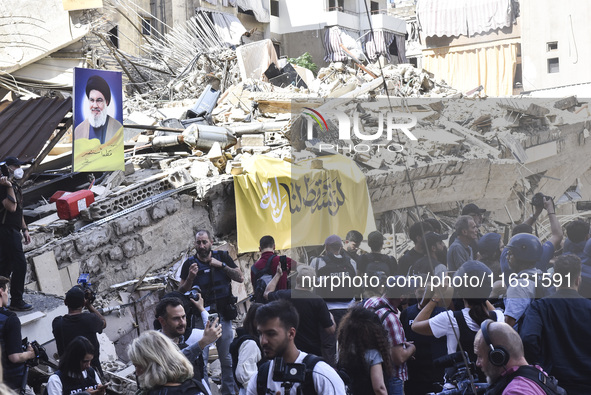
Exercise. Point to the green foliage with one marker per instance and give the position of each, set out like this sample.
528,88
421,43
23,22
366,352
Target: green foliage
304,60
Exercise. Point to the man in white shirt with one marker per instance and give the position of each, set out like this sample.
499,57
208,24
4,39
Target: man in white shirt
276,323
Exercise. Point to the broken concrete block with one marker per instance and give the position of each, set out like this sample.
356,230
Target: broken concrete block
537,110
565,103
252,140
199,169
180,177
48,275
129,169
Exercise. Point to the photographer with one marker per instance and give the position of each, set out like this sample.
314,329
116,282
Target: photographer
79,323
290,368
13,357
213,272
540,202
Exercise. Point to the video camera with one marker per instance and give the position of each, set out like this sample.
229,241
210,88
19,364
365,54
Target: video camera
538,200
459,375
288,372
40,353
193,293
84,282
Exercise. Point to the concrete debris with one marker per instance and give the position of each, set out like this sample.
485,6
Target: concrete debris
209,107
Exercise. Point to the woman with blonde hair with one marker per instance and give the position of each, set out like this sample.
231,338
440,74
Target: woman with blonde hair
161,368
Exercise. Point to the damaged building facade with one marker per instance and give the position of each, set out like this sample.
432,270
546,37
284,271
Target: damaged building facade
177,54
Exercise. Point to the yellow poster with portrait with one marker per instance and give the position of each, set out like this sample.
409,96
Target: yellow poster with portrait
299,205
98,121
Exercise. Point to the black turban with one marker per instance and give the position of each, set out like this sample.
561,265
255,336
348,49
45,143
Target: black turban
98,84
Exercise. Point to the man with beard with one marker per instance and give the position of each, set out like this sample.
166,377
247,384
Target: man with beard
213,272
170,313
499,353
12,223
276,324
98,125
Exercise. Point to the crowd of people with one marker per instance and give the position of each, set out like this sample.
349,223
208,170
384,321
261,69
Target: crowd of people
519,328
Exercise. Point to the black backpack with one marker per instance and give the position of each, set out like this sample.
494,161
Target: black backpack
235,349
262,278
548,383
307,387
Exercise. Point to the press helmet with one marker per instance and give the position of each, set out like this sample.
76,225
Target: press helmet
525,247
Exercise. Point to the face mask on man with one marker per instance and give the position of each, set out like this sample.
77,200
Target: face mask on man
18,173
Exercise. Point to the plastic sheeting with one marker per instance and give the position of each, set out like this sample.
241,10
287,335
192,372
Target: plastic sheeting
261,13
255,58
228,27
333,38
463,17
467,67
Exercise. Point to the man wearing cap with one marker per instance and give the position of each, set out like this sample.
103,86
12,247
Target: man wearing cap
436,253
12,223
99,125
460,250
335,263
78,323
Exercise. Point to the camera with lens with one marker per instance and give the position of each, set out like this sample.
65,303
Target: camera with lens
193,293
459,375
288,372
38,349
538,200
84,283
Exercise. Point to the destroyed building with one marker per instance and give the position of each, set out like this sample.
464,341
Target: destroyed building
179,173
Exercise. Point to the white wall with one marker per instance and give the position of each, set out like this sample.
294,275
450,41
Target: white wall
565,21
301,15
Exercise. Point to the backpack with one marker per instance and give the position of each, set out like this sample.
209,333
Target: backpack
307,387
262,278
548,383
235,349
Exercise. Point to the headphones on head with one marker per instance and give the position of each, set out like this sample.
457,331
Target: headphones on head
497,355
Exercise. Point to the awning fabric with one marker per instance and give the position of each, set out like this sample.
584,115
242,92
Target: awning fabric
463,17
467,67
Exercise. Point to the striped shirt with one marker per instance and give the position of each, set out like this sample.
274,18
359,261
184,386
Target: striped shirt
393,326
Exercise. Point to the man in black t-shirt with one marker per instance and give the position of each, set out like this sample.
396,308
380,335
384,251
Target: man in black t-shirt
415,232
213,272
314,315
12,258
13,357
78,323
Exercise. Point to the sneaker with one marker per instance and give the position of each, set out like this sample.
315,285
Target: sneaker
22,306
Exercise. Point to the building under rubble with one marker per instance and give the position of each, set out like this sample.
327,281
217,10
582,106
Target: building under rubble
132,239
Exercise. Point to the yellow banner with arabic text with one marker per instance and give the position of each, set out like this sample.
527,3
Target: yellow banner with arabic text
298,205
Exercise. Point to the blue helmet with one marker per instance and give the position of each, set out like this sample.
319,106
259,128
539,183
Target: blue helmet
525,247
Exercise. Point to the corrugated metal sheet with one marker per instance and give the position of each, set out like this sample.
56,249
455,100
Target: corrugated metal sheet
26,125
